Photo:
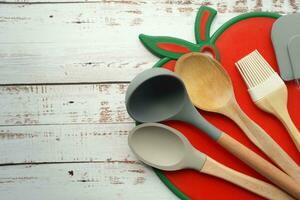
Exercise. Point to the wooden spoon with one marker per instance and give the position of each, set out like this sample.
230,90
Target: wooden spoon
210,89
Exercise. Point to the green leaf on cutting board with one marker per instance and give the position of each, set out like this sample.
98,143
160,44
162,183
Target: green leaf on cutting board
169,47
204,19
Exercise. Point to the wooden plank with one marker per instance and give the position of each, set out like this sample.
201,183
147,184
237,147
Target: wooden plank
221,5
76,43
70,43
63,104
65,143
88,181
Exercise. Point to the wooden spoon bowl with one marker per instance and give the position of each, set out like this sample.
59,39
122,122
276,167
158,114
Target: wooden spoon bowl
209,88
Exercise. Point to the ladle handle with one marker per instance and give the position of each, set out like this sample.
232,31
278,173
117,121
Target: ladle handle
249,183
260,165
264,141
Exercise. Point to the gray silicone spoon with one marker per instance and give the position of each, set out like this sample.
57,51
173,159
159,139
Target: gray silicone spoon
158,94
165,148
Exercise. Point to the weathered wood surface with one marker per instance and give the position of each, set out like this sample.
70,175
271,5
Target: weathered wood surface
78,162
82,42
90,181
63,104
105,143
69,141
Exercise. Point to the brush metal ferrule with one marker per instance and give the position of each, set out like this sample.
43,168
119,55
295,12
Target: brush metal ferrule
263,89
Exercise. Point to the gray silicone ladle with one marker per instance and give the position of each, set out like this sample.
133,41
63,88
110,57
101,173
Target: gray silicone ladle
158,94
165,148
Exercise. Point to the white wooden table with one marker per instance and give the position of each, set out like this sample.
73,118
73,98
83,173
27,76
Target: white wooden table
64,68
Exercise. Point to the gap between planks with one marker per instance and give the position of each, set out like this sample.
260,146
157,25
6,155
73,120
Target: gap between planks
62,83
75,162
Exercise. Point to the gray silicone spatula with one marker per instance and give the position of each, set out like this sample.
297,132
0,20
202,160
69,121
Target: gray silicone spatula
286,38
167,149
158,94
294,54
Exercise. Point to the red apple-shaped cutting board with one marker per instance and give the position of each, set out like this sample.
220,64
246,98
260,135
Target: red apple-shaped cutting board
232,41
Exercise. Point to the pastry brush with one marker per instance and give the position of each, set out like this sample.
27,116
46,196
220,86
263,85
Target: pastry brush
267,90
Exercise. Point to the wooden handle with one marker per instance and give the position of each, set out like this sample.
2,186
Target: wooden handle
254,185
291,128
263,141
260,165
276,104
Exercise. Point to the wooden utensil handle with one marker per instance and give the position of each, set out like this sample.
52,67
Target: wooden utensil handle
276,104
254,185
259,164
264,142
291,128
